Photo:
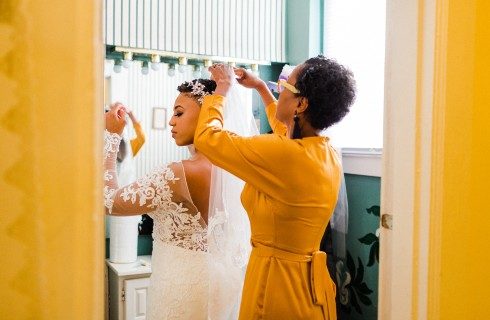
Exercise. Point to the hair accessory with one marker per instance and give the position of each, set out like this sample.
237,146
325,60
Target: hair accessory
198,90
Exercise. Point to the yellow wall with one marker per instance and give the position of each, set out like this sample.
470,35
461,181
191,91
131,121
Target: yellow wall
459,254
51,229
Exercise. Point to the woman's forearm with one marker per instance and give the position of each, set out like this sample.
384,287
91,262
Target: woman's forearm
265,94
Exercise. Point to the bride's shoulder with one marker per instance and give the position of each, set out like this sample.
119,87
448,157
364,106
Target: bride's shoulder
192,168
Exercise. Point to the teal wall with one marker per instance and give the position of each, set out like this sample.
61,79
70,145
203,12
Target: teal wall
266,73
304,29
358,298
304,39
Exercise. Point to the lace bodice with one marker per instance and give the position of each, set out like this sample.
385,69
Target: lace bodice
163,194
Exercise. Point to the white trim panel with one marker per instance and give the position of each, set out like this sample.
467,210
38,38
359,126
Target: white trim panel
364,162
246,29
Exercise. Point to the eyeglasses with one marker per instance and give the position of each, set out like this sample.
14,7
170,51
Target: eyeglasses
281,84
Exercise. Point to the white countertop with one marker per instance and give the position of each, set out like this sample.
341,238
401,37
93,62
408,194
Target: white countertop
140,267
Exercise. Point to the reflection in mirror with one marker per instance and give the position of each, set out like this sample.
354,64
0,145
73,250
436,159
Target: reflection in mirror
149,253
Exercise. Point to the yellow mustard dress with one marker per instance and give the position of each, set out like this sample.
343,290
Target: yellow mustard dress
290,193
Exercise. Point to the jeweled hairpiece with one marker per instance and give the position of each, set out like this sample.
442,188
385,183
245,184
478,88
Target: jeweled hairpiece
198,90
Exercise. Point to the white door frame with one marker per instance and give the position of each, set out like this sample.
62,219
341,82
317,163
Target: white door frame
407,156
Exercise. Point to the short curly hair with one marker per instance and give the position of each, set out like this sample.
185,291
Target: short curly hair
330,89
197,88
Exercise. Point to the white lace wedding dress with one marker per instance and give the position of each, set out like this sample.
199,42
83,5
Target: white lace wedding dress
179,284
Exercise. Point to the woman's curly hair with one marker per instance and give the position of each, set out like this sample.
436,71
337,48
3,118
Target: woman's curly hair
330,89
198,88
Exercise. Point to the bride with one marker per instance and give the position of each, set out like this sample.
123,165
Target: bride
200,231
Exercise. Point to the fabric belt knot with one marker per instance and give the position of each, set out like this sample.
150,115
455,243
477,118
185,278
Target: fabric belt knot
322,288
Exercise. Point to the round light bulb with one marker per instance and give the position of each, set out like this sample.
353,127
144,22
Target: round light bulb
155,66
171,71
117,66
144,68
182,64
155,62
197,72
127,57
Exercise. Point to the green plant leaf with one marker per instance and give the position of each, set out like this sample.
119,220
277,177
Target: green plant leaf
360,272
354,302
374,210
372,256
365,300
351,267
368,238
364,289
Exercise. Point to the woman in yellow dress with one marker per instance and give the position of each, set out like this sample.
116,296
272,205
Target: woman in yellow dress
292,183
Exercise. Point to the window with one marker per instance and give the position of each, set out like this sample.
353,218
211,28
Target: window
354,34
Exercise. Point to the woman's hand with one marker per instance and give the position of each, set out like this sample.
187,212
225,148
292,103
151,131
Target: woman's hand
248,79
131,116
223,75
115,118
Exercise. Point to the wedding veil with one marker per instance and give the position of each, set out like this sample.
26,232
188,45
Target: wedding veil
228,225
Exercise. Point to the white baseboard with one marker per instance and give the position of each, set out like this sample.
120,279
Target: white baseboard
362,161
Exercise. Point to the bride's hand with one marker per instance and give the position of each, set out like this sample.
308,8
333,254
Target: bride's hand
248,79
223,75
115,118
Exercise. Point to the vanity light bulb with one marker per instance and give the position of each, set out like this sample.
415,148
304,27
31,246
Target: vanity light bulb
171,71
117,66
144,68
155,66
127,58
197,72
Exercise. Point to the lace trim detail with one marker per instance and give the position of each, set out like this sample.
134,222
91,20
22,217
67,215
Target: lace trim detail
108,176
111,143
178,228
179,284
173,224
109,198
153,188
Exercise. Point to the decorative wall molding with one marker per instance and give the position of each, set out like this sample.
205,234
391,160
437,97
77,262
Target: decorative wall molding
362,161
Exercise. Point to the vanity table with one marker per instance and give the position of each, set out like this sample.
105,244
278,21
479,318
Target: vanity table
128,288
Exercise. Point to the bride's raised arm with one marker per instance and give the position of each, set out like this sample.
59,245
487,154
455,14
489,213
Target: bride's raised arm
155,190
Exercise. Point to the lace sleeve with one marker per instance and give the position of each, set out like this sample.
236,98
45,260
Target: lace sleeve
142,196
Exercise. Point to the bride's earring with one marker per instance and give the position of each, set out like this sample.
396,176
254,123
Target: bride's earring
296,128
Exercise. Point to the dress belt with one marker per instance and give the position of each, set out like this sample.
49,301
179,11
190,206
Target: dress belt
322,288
